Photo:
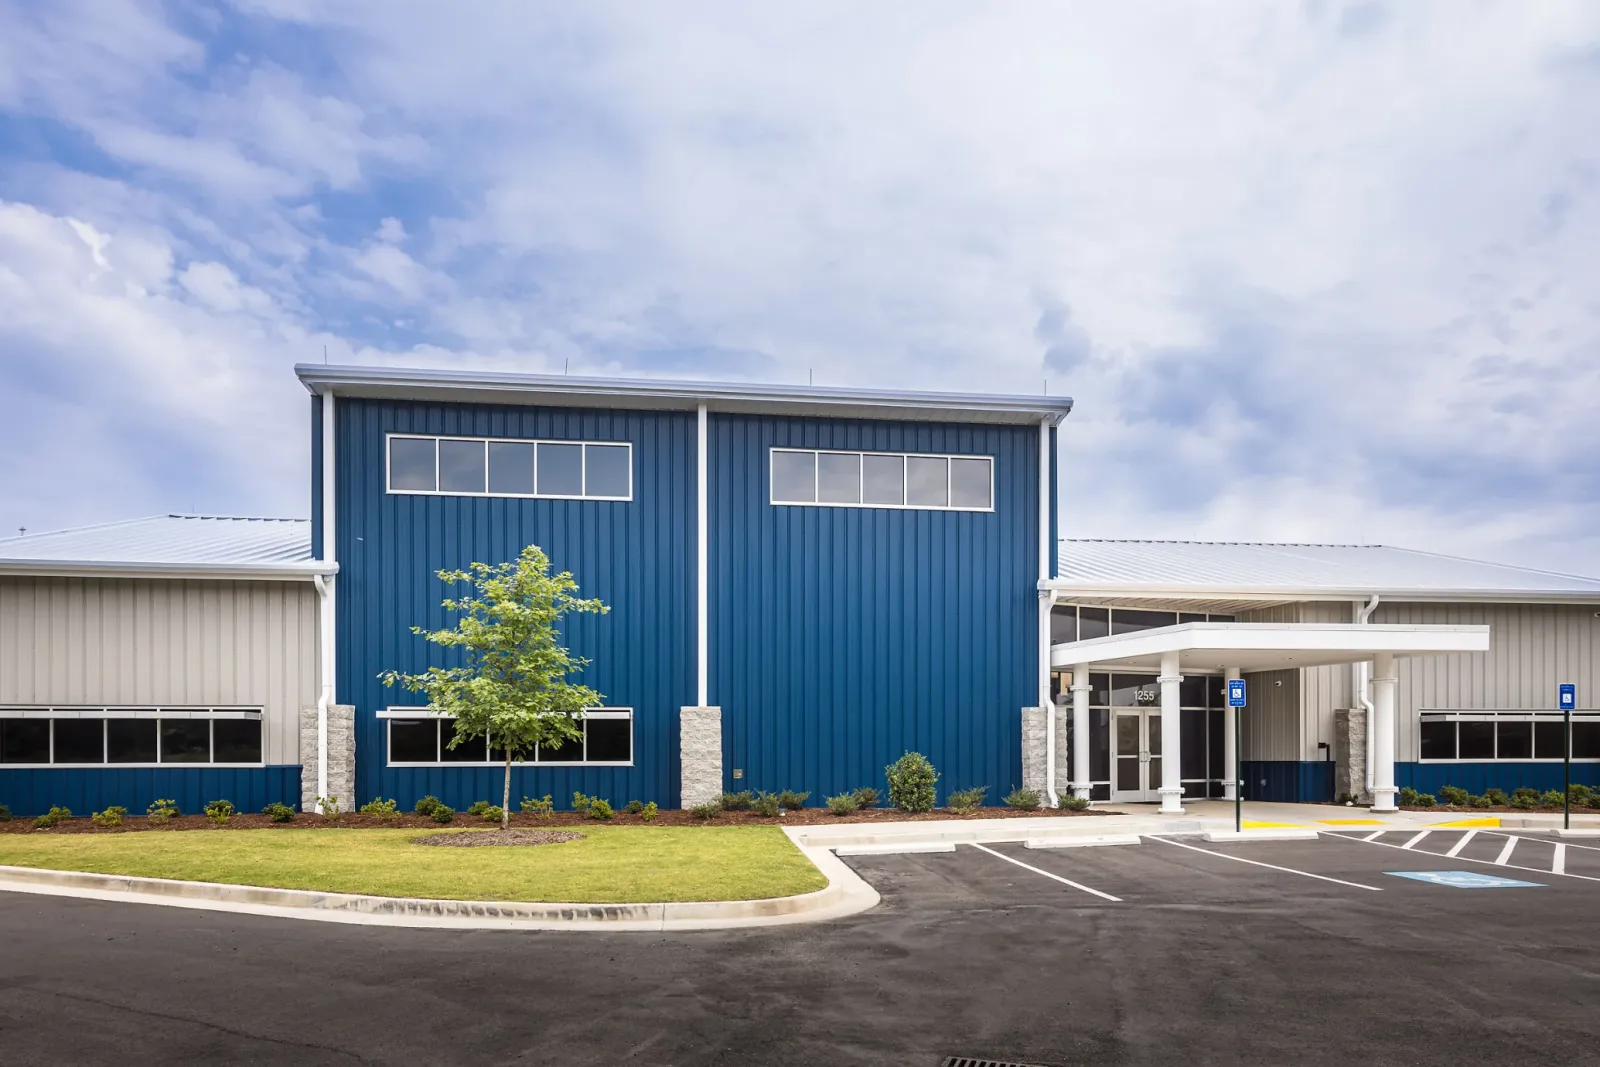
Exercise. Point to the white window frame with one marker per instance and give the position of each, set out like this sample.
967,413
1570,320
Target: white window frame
861,467
1496,716
391,713
388,480
125,711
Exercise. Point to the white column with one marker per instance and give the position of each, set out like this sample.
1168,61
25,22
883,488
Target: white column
1384,684
1230,741
1081,772
1171,736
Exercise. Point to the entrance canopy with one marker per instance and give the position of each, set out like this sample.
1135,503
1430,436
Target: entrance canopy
1262,646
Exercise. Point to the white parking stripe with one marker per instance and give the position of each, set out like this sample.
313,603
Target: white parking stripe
1559,864
1420,835
1047,874
1269,866
1375,833
1456,848
1469,859
1505,853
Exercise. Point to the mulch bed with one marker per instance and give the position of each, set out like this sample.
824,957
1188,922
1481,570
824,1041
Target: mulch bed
479,838
1498,809
302,820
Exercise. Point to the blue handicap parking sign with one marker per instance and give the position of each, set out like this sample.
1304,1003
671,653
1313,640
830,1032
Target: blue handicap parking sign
1465,879
1236,692
1568,695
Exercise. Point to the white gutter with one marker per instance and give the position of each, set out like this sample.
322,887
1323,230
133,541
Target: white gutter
1046,601
329,614
1068,589
702,555
325,691
68,568
1358,684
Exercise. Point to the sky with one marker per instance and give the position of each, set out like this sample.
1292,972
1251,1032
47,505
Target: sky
1319,271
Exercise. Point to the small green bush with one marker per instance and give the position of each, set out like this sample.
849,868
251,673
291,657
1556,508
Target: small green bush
278,811
765,805
600,809
1525,803
1552,799
330,807
649,812
634,807
426,805
542,806
478,807
1426,800
1479,802
792,800
5,813
442,813
911,780
162,810
843,804
743,800
1582,796
112,816
1073,802
1525,793
1455,795
706,811
866,797
219,811
1408,797
1496,797
52,817
581,801
965,801
1024,799
380,808
493,813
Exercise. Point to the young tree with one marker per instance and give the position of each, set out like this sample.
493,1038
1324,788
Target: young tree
512,687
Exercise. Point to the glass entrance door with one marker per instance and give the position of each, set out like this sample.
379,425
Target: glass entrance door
1137,755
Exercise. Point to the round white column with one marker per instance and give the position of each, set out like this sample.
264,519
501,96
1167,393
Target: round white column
1384,684
1080,731
1171,737
1230,741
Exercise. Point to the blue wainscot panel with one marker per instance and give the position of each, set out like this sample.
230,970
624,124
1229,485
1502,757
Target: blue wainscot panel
1288,781
1477,777
86,790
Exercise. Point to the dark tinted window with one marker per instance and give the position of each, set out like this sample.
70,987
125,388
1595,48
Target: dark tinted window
1093,622
1438,739
560,470
1099,690
1223,618
1586,740
1191,616
475,750
24,740
567,752
608,740
1476,740
1126,620
413,740
1063,624
185,740
511,467
236,741
1549,740
1217,765
606,470
1135,691
461,467
1516,739
1193,762
1100,745
131,740
411,463
1192,691
80,740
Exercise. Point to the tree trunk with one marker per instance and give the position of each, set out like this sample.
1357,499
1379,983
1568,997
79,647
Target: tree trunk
505,801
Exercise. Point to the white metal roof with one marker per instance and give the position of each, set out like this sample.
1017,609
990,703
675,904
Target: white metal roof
1220,569
1258,646
170,546
664,394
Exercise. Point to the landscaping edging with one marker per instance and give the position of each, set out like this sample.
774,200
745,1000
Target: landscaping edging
845,894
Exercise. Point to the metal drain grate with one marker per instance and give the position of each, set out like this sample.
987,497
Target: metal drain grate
969,1061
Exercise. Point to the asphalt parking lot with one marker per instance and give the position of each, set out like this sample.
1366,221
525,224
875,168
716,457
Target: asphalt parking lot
1167,952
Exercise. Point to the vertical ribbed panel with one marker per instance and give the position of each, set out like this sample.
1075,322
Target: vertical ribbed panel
841,637
87,790
316,477
637,556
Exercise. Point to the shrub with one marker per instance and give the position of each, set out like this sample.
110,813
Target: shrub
426,805
219,811
1479,802
649,812
634,807
493,813
1408,797
478,807
1426,800
1455,795
1552,799
600,809
442,813
1496,797
1024,799
278,811
381,808
743,800
581,801
706,811
964,801
1525,799
112,816
1582,796
162,810
843,804
911,779
330,807
5,813
792,800
866,797
1073,802
541,807
765,804
51,817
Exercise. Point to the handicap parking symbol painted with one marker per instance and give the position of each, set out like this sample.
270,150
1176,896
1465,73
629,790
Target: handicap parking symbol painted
1465,879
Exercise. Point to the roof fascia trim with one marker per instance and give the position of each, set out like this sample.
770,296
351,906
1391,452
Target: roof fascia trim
1065,588
46,568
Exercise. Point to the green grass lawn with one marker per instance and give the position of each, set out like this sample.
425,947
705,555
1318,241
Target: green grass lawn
614,864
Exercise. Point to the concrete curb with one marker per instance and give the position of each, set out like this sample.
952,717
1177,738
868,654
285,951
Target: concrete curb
1086,841
845,894
989,831
1261,834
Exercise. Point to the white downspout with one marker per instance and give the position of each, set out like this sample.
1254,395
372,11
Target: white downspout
325,590
1359,681
1046,601
324,693
702,552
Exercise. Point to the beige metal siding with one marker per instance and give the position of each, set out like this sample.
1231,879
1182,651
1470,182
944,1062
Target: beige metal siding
115,641
1322,689
1270,725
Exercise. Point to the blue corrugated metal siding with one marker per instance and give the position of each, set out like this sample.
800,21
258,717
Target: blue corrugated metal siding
841,637
1288,781
1477,777
637,556
316,477
87,790
1055,506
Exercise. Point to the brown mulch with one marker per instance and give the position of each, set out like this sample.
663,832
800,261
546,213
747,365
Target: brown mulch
479,838
408,821
1498,809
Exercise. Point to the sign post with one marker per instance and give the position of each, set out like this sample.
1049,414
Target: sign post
1567,698
1236,702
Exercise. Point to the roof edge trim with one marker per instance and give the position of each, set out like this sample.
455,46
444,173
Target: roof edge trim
51,568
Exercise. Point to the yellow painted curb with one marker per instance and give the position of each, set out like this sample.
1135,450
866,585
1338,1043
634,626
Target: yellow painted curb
1353,822
1252,824
1469,822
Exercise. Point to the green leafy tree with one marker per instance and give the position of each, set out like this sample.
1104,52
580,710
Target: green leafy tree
512,687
